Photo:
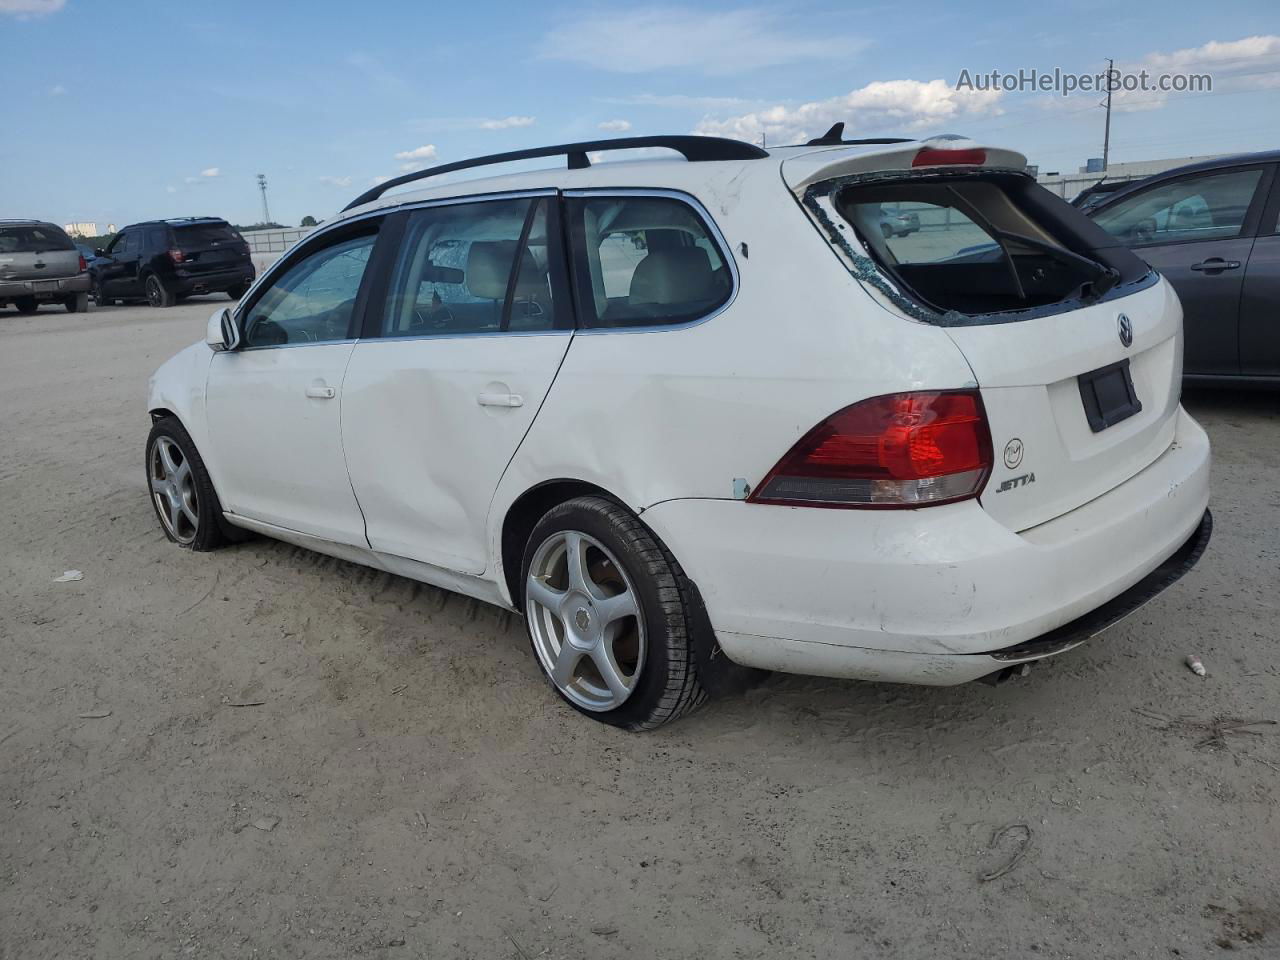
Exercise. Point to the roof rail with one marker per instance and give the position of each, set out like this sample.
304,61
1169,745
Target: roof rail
695,149
835,137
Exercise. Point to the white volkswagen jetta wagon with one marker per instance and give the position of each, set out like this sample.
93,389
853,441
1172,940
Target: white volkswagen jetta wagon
705,413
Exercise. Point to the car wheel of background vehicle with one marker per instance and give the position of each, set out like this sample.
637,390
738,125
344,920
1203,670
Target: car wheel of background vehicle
235,293
27,305
98,298
181,491
886,230
158,295
610,615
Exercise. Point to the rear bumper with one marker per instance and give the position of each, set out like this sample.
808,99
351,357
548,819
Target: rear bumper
53,288
214,281
940,595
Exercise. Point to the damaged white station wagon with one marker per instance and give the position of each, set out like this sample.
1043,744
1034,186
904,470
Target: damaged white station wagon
712,411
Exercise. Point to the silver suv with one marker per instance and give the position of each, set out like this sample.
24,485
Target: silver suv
39,264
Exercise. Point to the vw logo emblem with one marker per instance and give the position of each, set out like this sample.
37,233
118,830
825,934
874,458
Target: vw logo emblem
1126,329
1013,451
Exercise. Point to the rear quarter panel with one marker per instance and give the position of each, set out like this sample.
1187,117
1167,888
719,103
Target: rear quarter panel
680,412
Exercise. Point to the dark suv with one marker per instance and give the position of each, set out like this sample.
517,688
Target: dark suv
163,261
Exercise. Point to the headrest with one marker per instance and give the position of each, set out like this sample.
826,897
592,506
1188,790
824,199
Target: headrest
674,275
489,269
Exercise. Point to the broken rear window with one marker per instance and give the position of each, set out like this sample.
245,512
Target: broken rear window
982,244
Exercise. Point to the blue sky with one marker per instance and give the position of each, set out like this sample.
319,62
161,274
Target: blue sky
131,109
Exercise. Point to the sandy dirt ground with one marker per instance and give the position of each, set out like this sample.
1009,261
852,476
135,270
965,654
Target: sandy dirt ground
428,796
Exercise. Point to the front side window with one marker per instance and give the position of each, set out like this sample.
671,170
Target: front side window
473,268
642,261
314,299
1204,207
120,245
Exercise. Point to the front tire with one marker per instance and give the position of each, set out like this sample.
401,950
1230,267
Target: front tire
158,295
235,293
181,492
610,615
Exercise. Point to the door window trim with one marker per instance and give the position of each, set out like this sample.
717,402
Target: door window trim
1248,226
713,231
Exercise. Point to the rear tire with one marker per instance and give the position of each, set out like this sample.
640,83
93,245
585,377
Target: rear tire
158,295
614,640
26,305
78,303
181,492
235,293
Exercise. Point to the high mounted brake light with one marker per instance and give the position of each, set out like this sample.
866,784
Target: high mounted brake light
935,157
900,450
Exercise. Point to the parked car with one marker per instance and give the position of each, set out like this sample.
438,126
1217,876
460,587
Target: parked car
759,439
1211,229
900,224
163,261
39,264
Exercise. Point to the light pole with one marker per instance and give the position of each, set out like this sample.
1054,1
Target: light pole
262,185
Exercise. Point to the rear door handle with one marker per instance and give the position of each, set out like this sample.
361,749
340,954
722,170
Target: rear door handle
1214,264
500,400
321,393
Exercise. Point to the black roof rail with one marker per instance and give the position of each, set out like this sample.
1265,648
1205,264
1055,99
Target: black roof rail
835,137
695,149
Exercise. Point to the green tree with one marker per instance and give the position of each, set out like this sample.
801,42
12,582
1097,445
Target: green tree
308,221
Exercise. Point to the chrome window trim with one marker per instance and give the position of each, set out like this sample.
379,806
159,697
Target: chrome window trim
713,230
287,346
270,272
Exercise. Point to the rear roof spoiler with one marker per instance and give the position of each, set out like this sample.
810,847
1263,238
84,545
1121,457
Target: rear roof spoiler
809,168
694,149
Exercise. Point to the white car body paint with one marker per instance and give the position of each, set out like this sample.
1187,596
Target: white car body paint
405,469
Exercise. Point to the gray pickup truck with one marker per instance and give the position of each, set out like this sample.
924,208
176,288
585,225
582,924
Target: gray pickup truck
39,264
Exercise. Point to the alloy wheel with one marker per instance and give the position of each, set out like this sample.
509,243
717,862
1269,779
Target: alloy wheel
174,490
585,620
155,295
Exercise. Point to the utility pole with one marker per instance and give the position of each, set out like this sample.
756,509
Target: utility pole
1106,136
262,185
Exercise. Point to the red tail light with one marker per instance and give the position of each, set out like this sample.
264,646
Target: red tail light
934,157
176,255
83,264
899,450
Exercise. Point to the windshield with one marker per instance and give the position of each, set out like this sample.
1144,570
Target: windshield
36,238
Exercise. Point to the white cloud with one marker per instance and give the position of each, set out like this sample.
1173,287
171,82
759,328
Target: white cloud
57,90
336,181
616,126
24,9
378,181
1249,62
506,122
652,39
425,152
170,189
209,172
884,106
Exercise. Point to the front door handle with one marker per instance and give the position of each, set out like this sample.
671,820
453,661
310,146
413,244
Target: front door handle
321,393
500,400
1216,265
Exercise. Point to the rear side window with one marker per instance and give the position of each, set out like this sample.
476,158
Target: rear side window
1206,207
642,261
474,268
206,235
35,238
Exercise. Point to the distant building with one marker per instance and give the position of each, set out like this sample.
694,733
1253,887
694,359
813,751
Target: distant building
86,228
1067,185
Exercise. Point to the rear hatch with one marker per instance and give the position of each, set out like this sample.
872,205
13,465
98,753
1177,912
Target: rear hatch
1074,344
210,247
36,251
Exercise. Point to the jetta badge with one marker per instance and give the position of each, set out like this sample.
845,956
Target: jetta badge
1126,329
